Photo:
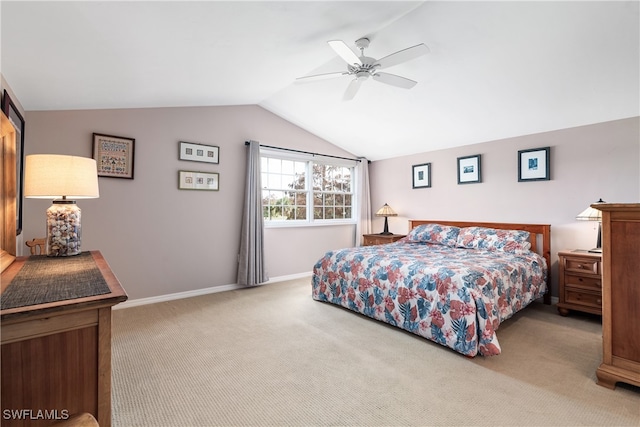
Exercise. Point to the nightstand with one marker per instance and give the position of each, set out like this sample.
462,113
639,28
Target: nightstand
580,274
380,239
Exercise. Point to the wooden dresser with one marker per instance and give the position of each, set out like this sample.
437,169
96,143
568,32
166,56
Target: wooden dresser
620,294
380,239
56,356
580,280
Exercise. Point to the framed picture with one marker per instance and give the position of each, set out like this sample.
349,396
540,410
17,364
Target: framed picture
422,175
469,170
192,180
533,164
114,155
13,114
199,152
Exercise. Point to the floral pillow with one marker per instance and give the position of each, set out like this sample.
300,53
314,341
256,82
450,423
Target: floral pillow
434,233
492,239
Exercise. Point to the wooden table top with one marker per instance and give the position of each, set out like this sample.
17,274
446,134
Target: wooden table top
116,295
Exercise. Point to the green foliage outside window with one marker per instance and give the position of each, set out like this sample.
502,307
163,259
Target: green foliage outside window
285,192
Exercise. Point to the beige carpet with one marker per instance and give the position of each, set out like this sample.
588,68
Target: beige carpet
273,356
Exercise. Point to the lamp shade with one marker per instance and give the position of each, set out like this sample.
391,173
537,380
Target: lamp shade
590,214
386,211
50,176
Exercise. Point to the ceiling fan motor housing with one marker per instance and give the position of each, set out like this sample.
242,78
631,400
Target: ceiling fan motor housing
362,43
367,67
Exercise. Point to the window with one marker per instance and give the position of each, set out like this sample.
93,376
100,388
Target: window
301,190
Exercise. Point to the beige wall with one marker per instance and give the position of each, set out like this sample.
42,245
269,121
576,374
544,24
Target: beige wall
587,163
162,240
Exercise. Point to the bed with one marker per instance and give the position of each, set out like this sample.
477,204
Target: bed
451,282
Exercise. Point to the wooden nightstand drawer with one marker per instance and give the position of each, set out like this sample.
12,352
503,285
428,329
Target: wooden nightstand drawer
583,282
380,239
582,265
585,298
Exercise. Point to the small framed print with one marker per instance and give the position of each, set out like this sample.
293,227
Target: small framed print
192,180
422,175
533,164
469,170
113,155
199,152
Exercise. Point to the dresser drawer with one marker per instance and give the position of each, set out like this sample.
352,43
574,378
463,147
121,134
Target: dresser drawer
589,299
582,265
583,282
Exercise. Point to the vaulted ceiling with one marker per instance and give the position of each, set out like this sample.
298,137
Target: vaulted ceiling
495,70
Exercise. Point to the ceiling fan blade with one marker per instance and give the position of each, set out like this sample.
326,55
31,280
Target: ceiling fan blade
393,80
322,76
344,52
352,89
403,55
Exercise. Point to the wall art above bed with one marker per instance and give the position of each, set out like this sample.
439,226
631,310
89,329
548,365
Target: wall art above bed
199,152
422,175
533,164
469,170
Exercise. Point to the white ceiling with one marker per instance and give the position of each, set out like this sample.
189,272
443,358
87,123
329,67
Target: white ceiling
496,69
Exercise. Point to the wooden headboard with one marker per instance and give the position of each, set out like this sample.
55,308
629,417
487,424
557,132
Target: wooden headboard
536,232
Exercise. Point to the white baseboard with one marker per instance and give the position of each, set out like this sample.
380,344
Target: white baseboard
204,291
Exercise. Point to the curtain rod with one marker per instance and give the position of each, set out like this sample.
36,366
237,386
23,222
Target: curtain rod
308,152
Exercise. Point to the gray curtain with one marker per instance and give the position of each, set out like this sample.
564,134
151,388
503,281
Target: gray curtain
364,214
251,263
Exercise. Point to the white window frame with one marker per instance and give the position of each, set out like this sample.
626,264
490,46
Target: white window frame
310,160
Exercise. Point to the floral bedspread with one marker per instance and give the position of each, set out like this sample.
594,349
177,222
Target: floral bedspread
455,297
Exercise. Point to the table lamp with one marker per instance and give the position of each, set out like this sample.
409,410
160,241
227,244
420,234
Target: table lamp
386,212
64,179
591,214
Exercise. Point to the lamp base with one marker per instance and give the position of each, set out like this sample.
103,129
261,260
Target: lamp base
386,231
63,229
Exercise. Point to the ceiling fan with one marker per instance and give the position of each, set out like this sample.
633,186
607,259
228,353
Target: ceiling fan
362,67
